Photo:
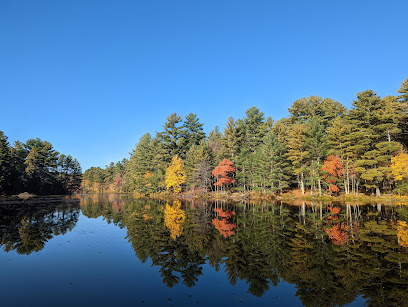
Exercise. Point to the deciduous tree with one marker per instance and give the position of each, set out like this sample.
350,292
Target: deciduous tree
175,174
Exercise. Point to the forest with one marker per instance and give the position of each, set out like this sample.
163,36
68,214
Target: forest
36,167
322,147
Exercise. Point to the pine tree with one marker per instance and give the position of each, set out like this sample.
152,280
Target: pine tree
297,152
316,143
371,132
140,163
272,166
304,109
341,144
6,164
41,167
171,139
253,126
192,131
232,140
215,144
404,91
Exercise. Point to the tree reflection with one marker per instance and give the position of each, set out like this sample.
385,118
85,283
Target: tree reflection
332,253
27,228
174,218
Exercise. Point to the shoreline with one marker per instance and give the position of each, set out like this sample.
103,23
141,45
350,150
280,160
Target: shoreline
293,196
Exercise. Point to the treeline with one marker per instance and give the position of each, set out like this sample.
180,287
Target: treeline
35,167
321,146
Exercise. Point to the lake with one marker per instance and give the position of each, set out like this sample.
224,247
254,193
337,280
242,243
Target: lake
116,250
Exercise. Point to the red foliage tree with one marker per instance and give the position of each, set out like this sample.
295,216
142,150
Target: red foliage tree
222,225
334,168
338,234
223,172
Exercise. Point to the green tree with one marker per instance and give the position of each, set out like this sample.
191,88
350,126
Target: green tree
232,139
215,143
171,139
371,132
140,163
192,131
6,164
341,145
316,143
305,108
297,152
254,128
196,156
403,90
272,167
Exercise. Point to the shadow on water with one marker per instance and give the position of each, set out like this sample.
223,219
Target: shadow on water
333,253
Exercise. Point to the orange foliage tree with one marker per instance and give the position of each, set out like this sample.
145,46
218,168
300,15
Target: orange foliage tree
338,231
222,225
223,171
334,169
338,234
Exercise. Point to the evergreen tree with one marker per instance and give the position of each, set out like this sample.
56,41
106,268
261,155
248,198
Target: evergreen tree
341,145
6,165
403,90
253,126
215,143
371,132
197,155
41,165
316,145
305,108
232,139
297,152
140,165
171,139
272,166
192,131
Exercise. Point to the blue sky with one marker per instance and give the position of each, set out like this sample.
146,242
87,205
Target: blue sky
92,77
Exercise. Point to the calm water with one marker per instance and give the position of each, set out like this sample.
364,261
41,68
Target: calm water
115,250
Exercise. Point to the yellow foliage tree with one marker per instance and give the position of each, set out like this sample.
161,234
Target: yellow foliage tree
175,174
399,166
174,218
403,234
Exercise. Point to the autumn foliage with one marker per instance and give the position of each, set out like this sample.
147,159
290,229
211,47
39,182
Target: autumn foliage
174,218
334,169
223,172
399,166
338,234
175,174
222,225
402,233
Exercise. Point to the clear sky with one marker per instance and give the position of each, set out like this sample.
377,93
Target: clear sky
92,77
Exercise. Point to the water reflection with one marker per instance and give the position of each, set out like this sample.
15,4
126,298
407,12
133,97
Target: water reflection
26,228
333,253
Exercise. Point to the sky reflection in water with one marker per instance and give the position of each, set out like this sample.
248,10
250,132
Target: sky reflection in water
113,249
